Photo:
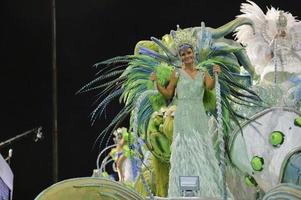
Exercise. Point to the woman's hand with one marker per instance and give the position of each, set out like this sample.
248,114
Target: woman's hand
153,76
209,81
217,69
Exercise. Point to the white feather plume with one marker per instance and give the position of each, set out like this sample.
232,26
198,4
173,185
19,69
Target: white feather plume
258,45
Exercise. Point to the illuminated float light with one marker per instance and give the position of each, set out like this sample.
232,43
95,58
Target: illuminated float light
297,121
257,163
189,185
250,181
276,138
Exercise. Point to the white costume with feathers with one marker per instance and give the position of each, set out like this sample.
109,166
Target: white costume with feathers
266,48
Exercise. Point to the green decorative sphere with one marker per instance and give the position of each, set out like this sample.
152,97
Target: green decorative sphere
276,138
250,181
257,163
297,121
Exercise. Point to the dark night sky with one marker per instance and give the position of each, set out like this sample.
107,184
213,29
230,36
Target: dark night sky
87,31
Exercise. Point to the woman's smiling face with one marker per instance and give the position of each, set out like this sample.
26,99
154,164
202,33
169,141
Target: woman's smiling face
187,56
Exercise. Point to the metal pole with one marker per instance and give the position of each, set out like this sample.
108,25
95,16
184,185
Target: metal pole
20,136
54,96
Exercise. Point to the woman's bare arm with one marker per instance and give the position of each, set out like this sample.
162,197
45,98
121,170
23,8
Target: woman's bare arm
170,89
209,81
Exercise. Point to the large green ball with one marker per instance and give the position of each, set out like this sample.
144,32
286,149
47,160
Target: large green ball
297,121
276,138
257,163
250,181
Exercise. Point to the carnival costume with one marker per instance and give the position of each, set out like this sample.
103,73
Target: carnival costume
128,167
192,151
274,44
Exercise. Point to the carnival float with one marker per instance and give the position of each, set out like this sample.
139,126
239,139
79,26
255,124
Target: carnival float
238,140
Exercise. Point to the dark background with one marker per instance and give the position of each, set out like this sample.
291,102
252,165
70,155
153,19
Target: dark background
87,31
